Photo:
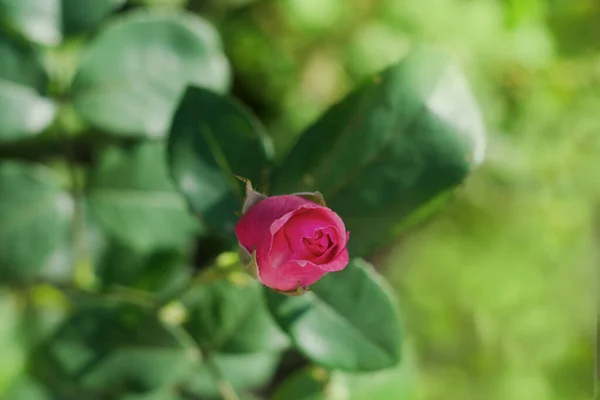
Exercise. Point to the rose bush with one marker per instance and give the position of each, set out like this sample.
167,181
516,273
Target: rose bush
295,239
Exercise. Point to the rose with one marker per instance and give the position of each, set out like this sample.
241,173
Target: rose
294,240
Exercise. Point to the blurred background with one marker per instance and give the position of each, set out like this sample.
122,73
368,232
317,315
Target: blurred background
498,290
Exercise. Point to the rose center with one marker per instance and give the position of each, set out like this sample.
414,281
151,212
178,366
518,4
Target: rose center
318,243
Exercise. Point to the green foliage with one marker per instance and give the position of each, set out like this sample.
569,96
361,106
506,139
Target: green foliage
308,384
132,197
124,123
33,210
326,322
134,71
23,110
391,146
113,348
231,318
212,140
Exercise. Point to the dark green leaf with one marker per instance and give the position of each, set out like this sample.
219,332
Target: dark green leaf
348,320
132,75
162,273
23,111
37,20
133,199
231,318
212,139
35,219
394,144
78,15
117,348
307,384
242,371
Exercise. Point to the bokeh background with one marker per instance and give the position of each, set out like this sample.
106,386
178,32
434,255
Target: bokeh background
498,289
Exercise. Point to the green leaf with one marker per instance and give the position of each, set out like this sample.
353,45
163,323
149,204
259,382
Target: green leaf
12,354
307,384
242,371
21,64
348,320
79,16
132,197
37,20
35,216
132,75
114,347
23,111
231,317
410,134
212,139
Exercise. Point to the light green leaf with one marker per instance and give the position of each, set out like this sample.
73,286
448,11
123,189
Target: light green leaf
35,219
116,347
26,388
212,139
410,134
231,317
348,320
133,74
132,197
23,111
12,353
37,20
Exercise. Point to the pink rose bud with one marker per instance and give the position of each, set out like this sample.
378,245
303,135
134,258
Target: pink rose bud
291,241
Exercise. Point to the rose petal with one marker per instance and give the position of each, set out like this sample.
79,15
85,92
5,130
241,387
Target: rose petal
289,275
338,262
253,228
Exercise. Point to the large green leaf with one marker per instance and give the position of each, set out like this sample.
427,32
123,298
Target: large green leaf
347,321
410,134
307,384
23,111
132,75
231,317
116,348
45,21
132,197
35,219
212,139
